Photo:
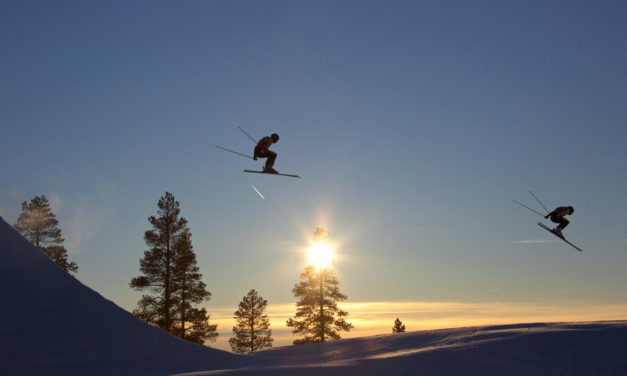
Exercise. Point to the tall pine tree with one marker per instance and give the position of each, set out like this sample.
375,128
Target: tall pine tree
39,225
170,272
252,331
317,316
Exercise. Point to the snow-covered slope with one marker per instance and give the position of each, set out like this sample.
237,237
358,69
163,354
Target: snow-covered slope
524,349
51,324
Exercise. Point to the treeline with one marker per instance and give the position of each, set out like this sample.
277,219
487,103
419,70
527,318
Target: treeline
173,289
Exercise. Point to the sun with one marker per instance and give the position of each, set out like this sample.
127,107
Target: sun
320,255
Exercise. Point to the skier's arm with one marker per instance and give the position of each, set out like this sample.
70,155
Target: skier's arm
554,212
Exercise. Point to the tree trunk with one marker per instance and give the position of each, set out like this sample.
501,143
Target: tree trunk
321,309
167,292
252,329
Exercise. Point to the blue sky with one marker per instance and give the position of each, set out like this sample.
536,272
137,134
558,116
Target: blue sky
413,124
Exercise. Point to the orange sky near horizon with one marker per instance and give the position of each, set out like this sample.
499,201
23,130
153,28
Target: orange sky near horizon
376,318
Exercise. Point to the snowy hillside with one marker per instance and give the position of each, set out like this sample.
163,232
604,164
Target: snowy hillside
51,324
524,349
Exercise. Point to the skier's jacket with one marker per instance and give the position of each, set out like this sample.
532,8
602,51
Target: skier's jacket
559,212
265,143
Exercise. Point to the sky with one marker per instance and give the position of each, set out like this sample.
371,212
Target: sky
413,124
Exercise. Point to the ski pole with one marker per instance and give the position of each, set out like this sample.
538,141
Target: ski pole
240,128
534,196
525,206
229,150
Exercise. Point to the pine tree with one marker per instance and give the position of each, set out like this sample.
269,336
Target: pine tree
317,316
399,327
39,225
190,323
170,272
199,330
252,331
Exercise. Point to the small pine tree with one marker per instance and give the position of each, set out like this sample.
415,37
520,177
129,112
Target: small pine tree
317,314
39,225
399,327
252,331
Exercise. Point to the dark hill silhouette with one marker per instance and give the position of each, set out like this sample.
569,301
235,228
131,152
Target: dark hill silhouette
52,324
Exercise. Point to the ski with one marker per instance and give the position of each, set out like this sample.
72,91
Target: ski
561,237
271,173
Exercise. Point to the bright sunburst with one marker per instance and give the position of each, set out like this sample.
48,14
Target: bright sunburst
320,255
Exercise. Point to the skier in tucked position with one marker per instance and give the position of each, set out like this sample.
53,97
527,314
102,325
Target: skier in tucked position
262,151
557,216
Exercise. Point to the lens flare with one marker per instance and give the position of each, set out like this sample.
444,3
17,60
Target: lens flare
320,255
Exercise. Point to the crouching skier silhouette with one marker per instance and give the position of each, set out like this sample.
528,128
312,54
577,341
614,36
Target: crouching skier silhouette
262,151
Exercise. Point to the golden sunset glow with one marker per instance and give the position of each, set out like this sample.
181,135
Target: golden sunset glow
375,318
320,255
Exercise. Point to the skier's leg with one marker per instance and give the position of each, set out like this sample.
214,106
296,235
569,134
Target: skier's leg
260,153
271,158
558,220
563,223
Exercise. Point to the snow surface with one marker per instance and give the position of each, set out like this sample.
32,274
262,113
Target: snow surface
524,349
51,324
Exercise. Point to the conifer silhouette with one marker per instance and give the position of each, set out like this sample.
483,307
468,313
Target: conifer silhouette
38,224
252,331
399,327
318,316
170,272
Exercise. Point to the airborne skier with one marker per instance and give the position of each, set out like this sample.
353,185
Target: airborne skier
557,216
262,151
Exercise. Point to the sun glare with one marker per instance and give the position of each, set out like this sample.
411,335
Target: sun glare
320,255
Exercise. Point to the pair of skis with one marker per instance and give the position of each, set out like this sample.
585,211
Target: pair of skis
248,156
545,226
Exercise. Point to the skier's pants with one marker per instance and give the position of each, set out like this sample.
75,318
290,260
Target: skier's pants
563,222
265,153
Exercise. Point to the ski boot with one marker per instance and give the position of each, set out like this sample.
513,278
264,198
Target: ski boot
270,170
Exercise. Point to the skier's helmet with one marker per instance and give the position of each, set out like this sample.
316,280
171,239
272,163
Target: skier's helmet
275,137
571,209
